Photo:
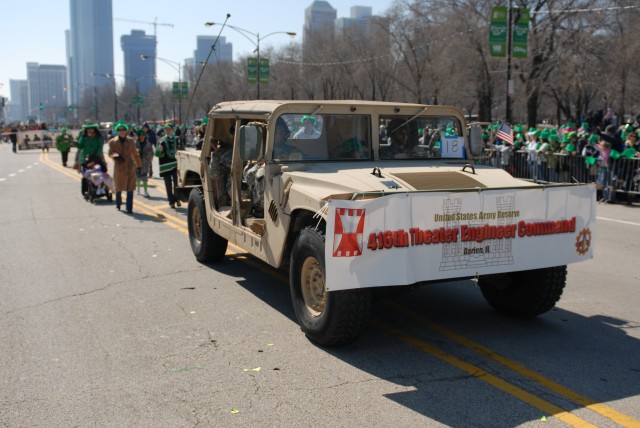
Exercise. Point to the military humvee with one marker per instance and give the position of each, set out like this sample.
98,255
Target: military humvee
354,195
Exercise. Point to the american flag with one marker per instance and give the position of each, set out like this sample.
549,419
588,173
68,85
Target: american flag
505,133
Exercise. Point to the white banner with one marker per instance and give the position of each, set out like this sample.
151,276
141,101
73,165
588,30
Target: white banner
406,238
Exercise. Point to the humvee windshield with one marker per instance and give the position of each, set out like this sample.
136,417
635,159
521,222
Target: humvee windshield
348,137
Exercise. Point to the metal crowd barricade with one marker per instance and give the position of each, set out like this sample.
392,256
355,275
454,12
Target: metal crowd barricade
564,168
625,175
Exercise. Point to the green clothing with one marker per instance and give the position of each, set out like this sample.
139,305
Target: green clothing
63,142
166,154
90,146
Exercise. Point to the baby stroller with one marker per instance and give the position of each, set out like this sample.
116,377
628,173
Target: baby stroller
96,183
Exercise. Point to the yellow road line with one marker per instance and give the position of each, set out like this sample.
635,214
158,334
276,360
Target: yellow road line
537,402
601,409
71,173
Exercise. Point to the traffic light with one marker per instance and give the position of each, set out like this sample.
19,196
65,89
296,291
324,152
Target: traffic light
70,108
3,100
41,106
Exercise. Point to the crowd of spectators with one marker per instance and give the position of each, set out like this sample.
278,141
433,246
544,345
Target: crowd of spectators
602,152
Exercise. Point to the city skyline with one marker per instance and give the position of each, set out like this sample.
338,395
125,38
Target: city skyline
51,50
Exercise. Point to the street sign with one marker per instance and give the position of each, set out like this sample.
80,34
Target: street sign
498,30
180,90
137,100
252,70
521,33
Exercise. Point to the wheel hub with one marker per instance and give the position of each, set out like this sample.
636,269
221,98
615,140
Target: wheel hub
313,290
196,221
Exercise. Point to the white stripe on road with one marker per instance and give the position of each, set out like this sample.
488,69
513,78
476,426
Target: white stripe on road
21,170
618,221
12,175
2,179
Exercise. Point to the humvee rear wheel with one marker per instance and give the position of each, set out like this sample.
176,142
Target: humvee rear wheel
327,317
524,294
206,245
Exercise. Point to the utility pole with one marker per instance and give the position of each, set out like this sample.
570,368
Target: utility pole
509,81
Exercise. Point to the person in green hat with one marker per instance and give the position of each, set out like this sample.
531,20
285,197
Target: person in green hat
166,153
542,157
590,149
90,144
570,147
63,144
590,154
308,129
518,142
123,151
629,162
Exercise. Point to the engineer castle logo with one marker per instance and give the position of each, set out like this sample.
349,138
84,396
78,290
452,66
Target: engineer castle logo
348,232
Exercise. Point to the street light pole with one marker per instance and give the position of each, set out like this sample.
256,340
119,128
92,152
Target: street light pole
178,67
256,43
138,100
115,100
115,93
95,100
258,61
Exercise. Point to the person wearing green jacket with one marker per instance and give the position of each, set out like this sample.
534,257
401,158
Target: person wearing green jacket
166,154
63,144
90,144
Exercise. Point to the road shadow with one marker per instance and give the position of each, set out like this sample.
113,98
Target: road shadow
592,356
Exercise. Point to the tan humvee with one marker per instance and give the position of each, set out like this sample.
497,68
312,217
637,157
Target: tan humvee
353,195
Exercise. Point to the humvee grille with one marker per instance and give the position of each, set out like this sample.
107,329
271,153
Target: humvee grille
273,211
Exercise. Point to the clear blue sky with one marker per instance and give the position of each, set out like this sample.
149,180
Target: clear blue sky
33,30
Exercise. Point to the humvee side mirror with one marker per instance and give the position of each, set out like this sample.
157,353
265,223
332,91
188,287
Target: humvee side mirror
476,143
250,142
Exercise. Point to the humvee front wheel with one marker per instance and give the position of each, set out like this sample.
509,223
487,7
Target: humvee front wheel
524,294
328,318
206,245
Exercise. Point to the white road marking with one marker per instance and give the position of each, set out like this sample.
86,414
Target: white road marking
2,179
618,221
21,170
12,174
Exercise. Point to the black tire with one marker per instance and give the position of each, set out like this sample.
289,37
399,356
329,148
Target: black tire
524,294
206,245
327,318
84,187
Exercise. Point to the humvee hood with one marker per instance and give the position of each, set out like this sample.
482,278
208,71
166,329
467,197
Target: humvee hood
335,180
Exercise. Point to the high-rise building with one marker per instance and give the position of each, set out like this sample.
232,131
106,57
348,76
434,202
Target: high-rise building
46,90
17,109
319,24
223,50
319,17
360,18
90,46
138,71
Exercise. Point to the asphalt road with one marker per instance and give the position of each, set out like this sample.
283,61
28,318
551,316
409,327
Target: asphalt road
106,319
